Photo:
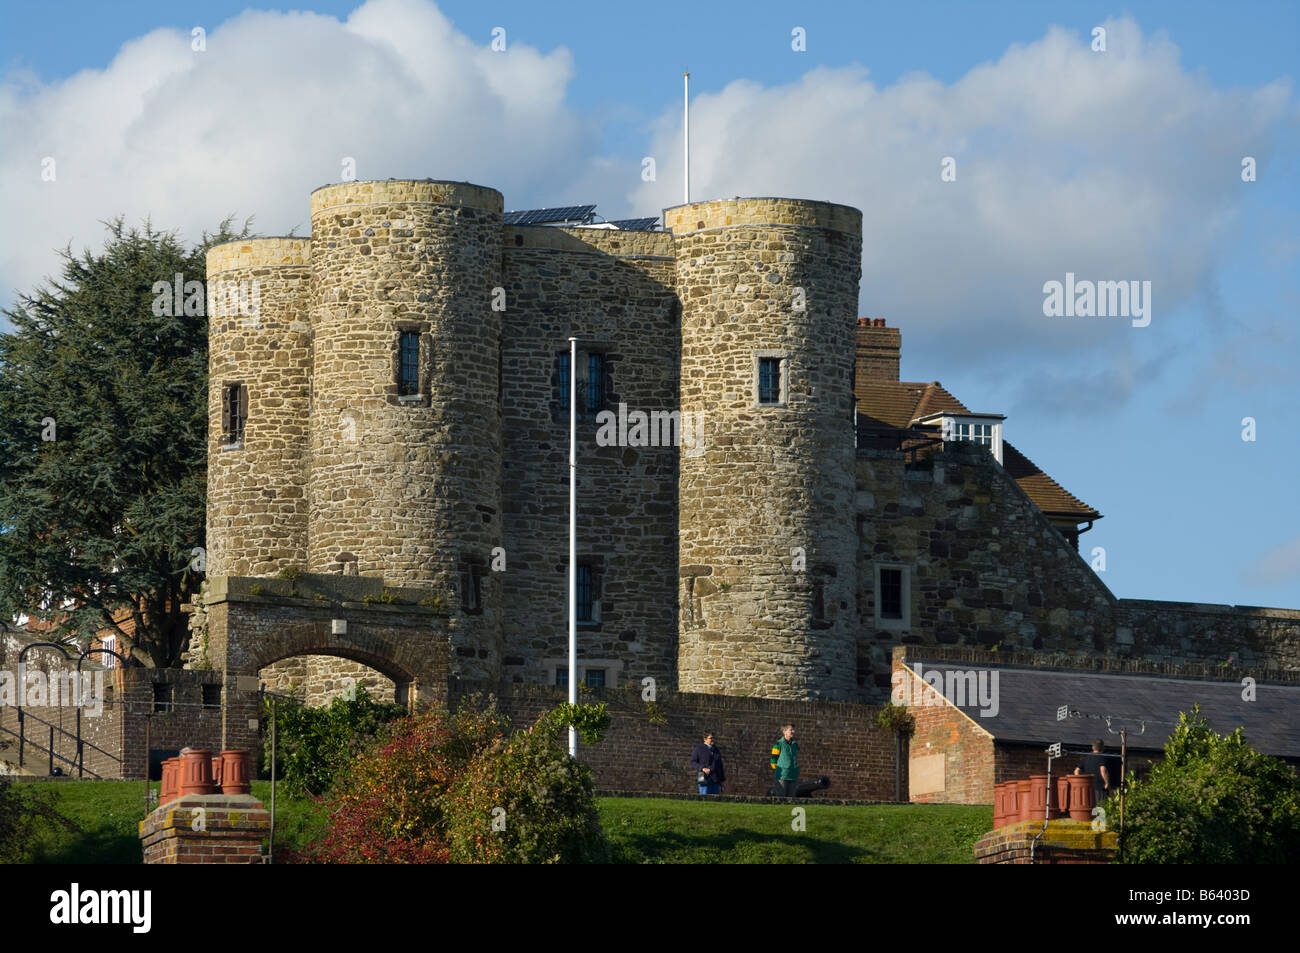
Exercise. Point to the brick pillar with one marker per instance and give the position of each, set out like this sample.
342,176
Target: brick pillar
206,829
1064,842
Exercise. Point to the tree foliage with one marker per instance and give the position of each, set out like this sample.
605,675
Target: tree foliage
108,511
465,789
314,744
1213,800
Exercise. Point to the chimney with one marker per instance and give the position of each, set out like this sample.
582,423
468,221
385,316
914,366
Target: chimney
879,351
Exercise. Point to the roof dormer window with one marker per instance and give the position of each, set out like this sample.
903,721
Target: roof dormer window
984,429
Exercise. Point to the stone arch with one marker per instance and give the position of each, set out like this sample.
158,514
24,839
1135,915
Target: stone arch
389,656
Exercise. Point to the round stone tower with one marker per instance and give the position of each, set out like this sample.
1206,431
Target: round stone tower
405,478
766,536
259,364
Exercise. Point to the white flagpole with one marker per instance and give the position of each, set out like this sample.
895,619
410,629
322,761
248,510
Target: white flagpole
573,538
686,137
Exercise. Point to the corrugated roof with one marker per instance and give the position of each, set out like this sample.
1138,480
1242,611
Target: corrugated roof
1028,699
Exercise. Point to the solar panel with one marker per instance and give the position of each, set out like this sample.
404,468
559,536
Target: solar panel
637,224
551,216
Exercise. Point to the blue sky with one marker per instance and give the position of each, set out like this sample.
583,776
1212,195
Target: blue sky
1115,166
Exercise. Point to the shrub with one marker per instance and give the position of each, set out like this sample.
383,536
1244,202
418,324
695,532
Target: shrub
523,800
389,806
314,744
427,794
1213,800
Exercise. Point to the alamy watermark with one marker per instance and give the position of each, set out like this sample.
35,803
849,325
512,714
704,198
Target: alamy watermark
657,428
962,688
59,688
1100,299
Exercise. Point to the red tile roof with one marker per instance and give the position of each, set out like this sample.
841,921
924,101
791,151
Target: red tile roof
899,403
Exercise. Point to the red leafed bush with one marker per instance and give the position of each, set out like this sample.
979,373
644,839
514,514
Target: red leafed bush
390,804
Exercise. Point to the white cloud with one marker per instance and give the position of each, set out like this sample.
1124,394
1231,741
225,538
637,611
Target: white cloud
1279,566
1122,165
266,114
1113,166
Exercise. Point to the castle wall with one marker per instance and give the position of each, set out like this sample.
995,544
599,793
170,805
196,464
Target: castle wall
259,335
613,291
409,485
1257,639
984,565
648,747
766,556
316,680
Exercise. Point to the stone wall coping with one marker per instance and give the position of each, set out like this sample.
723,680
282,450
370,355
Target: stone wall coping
778,707
1063,833
443,192
348,592
1091,663
816,799
1210,608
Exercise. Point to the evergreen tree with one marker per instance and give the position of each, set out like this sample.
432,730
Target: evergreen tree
103,441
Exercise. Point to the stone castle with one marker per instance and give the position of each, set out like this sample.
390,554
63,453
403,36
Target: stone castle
388,464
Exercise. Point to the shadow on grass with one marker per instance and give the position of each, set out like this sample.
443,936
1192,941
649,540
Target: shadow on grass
736,846
101,845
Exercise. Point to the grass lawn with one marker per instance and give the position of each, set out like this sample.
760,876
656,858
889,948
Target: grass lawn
643,830
651,830
108,814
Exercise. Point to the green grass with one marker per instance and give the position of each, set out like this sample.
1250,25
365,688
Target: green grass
642,830
651,830
108,814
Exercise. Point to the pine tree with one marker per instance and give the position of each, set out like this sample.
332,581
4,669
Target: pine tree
103,442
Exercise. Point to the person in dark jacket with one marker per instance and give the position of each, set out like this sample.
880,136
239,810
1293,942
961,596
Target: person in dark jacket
706,763
1104,769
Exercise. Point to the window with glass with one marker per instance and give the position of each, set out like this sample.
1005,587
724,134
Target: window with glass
586,593
408,382
769,380
593,384
975,433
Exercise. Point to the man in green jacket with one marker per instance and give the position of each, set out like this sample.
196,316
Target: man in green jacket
785,762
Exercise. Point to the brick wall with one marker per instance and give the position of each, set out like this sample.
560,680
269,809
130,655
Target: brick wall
114,736
837,739
879,351
964,750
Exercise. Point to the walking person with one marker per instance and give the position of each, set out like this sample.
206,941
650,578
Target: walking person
706,762
785,764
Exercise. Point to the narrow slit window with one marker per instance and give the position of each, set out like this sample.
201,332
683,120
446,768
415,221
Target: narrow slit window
769,380
891,593
409,379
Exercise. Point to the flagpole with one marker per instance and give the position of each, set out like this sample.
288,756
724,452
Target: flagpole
573,538
686,137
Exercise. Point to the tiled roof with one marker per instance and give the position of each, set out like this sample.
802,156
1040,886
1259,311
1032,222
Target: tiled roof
1048,495
1028,699
898,403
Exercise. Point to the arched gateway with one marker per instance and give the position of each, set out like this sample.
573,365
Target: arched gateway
252,623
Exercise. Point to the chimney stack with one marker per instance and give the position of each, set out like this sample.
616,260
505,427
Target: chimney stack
879,351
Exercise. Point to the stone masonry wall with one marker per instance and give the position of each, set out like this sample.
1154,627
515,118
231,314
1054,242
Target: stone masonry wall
984,566
613,291
766,556
1259,640
409,486
259,335
316,680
